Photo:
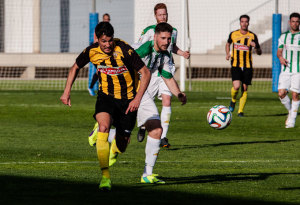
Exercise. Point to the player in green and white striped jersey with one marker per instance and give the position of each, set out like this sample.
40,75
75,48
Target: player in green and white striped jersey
157,58
161,15
289,79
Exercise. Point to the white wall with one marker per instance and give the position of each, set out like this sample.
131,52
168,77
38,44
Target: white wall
18,26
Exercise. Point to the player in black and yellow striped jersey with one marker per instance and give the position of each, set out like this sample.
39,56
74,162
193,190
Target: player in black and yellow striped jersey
118,98
243,43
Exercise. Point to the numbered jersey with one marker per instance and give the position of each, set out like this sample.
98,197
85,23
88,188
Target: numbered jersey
290,43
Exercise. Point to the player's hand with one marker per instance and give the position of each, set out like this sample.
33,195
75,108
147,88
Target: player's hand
252,43
228,56
133,105
65,99
283,61
186,54
182,98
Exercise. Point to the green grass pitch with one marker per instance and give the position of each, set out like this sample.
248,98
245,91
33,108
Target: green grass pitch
45,157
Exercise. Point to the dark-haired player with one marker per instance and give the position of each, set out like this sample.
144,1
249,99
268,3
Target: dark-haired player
243,43
117,103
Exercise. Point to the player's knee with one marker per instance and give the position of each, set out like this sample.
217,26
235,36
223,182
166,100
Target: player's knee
122,139
281,94
156,133
103,128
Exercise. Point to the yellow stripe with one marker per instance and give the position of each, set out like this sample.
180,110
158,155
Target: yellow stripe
117,87
104,83
129,83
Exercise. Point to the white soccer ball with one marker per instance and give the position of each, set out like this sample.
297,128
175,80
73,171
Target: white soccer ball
219,117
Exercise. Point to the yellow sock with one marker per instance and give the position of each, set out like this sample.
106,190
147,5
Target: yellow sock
102,146
234,94
114,147
243,100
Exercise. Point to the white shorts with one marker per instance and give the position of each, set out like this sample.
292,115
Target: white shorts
289,81
147,110
157,86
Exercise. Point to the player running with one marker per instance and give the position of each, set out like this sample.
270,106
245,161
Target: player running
117,101
289,79
164,94
156,56
244,41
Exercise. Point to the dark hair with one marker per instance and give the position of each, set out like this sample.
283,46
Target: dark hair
245,16
297,15
163,27
104,28
106,14
160,6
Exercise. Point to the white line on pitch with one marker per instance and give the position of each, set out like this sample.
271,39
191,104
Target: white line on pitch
94,162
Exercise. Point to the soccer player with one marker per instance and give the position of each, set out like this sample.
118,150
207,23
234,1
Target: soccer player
164,94
105,18
289,79
117,100
243,42
156,56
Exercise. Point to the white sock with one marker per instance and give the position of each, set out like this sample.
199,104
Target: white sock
165,120
112,134
294,110
286,102
152,150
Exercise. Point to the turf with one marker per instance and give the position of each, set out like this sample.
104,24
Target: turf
45,157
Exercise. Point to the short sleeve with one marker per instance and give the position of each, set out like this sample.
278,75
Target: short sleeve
229,38
131,58
257,46
280,42
83,58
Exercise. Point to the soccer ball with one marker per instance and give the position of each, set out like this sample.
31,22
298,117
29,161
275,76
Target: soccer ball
219,117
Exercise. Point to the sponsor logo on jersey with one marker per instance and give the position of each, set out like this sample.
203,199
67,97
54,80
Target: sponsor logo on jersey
112,70
241,47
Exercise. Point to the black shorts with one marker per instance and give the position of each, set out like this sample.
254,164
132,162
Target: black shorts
116,108
244,75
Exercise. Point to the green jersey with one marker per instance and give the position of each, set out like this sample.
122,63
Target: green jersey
290,43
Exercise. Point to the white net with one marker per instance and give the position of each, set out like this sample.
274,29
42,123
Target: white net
40,39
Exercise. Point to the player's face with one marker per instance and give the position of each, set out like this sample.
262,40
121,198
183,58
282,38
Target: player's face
162,41
106,18
294,24
106,44
161,15
244,23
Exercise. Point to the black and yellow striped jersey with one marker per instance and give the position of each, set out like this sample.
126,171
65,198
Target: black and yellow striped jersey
117,71
241,52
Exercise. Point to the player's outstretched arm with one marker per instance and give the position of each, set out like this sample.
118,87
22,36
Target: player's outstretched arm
144,82
178,51
65,98
174,88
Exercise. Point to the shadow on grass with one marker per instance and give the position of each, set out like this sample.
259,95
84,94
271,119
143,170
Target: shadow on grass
26,190
223,178
289,188
271,115
180,147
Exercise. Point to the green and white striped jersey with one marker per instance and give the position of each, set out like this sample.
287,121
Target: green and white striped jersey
290,43
148,35
159,63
